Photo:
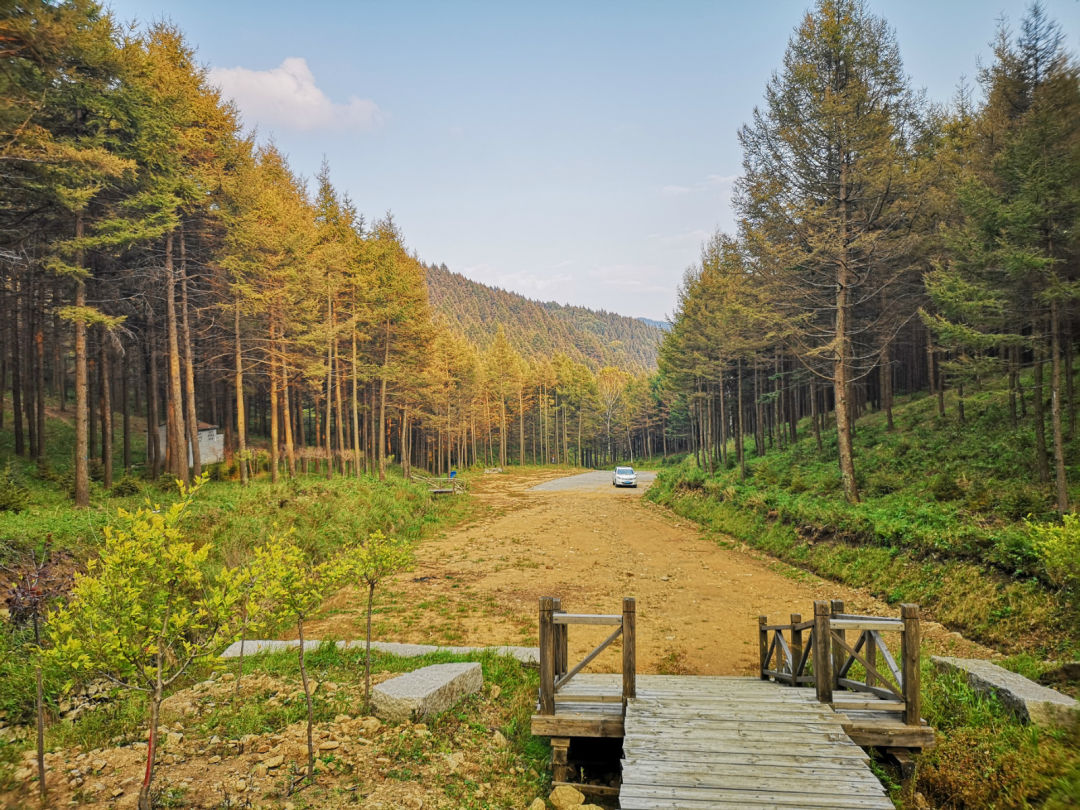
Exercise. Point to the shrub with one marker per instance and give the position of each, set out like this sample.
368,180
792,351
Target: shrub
1022,501
945,488
1058,546
124,487
14,497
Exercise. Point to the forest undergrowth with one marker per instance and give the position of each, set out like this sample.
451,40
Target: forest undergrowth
950,519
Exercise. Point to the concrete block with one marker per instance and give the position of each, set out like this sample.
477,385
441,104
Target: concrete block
426,691
1024,698
526,655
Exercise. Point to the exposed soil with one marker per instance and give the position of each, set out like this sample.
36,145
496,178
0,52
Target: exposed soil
698,597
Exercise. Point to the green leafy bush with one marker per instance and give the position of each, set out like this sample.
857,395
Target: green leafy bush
1058,546
945,488
125,487
14,497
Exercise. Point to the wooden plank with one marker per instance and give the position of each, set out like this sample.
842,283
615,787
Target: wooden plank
587,618
561,698
774,759
746,777
577,725
629,649
739,744
867,624
765,797
547,656
590,790
750,725
871,705
882,736
910,662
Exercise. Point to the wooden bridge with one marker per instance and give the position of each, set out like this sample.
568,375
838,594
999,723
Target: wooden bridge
738,742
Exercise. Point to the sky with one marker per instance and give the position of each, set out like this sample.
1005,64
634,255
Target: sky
568,151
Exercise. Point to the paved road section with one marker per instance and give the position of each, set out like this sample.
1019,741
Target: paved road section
598,481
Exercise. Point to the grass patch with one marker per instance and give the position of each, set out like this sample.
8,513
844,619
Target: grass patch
945,519
986,759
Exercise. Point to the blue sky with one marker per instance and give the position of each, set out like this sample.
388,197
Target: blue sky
576,152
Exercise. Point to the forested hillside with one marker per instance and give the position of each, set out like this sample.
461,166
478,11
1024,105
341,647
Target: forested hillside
890,248
541,329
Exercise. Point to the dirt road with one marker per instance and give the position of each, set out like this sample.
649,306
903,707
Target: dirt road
591,544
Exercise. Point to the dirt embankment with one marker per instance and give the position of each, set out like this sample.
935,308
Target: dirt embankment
698,598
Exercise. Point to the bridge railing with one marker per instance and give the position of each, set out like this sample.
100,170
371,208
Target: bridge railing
439,485
818,652
555,671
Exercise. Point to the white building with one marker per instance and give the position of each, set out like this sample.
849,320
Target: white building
211,444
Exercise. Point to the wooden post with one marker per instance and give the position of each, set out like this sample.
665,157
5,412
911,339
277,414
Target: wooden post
629,648
870,651
763,646
909,614
839,655
561,632
822,654
796,648
547,656
560,759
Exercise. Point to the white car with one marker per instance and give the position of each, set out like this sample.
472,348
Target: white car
624,477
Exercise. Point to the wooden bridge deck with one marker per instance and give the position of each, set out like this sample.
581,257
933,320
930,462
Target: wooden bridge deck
791,738
722,742
697,742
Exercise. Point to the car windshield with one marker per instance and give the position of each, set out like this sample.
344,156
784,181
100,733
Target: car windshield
624,470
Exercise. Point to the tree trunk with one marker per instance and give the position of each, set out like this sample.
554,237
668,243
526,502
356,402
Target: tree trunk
274,408
241,423
151,749
106,411
841,367
355,407
307,699
1061,485
1042,465
153,418
740,443
16,365
125,404
189,362
39,373
339,407
286,409
178,435
381,438
82,470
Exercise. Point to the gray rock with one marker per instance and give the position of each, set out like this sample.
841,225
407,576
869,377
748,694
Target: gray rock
526,655
426,691
1028,701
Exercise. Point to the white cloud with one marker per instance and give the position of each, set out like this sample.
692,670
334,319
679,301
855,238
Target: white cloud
288,97
642,278
711,181
691,237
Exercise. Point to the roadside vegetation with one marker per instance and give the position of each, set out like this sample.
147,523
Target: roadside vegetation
949,519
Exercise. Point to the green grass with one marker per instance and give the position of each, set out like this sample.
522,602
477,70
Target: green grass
944,517
986,759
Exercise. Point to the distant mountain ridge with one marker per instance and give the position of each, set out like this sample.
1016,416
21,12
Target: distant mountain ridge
539,329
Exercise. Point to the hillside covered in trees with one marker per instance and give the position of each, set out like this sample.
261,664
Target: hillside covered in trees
541,329
887,248
156,261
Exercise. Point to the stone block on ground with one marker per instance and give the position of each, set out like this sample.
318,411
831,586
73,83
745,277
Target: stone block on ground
1024,698
565,796
426,691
